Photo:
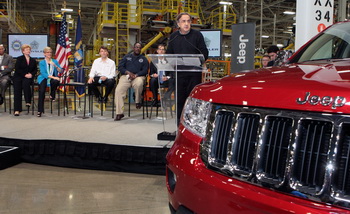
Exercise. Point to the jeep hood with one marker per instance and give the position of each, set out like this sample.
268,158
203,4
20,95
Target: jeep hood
280,87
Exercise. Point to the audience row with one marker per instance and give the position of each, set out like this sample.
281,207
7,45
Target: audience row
133,69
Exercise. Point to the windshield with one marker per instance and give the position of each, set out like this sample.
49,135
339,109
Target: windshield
334,43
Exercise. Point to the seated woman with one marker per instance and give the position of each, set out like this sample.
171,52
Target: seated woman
25,70
48,76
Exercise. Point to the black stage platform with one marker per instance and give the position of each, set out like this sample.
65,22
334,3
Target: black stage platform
99,156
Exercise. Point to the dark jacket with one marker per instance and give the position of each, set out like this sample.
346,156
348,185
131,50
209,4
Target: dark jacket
135,64
191,43
7,61
22,68
154,70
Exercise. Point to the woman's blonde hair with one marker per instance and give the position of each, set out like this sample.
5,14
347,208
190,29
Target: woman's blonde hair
25,46
46,49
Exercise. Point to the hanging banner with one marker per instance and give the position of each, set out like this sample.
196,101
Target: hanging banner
312,16
243,47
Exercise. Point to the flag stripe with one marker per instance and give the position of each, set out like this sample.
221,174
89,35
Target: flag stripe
63,51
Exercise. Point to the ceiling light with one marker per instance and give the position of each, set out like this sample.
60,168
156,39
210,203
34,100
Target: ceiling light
67,9
289,12
265,36
226,3
280,45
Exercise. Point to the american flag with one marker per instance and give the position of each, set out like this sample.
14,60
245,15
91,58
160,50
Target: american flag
63,51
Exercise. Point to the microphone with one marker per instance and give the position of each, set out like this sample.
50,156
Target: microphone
173,38
195,48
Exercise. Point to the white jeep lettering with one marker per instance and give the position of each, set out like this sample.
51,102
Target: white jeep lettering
242,45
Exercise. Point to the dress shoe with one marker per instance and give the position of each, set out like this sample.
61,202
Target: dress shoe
28,107
52,98
39,114
118,117
16,113
138,105
1,100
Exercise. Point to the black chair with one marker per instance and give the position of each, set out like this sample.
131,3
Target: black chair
66,88
163,103
9,88
102,105
143,103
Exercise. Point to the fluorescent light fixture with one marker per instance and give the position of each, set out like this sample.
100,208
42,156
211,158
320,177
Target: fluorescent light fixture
226,3
265,36
289,12
280,45
67,9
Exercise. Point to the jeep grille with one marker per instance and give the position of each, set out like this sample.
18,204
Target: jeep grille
285,150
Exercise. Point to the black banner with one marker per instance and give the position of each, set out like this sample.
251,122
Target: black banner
243,47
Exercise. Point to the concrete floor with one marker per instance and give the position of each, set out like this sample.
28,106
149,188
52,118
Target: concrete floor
38,189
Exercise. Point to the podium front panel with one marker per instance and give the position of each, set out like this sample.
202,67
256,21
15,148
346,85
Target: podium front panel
168,66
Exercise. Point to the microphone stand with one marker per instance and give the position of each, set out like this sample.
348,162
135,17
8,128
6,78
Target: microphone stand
65,100
84,115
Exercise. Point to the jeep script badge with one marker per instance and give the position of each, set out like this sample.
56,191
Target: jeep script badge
334,102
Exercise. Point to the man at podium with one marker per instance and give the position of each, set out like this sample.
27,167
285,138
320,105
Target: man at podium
186,41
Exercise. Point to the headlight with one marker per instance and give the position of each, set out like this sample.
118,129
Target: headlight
195,115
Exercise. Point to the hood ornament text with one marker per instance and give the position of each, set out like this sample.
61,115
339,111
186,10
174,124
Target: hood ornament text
334,102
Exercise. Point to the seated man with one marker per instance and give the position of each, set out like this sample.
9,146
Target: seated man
133,68
6,67
167,78
102,72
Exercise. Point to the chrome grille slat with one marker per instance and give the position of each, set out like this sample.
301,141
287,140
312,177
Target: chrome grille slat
277,138
342,175
312,149
244,142
289,151
223,124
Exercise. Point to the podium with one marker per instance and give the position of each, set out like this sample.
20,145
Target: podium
174,64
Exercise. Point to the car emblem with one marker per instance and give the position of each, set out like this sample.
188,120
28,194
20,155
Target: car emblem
334,102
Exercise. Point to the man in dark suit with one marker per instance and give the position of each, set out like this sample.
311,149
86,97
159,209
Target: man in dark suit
6,67
166,77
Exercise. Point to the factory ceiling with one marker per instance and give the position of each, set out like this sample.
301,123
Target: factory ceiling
275,24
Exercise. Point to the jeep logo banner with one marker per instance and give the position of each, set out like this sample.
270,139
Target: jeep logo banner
243,47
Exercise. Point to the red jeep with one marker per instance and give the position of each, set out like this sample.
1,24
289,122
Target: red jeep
273,140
